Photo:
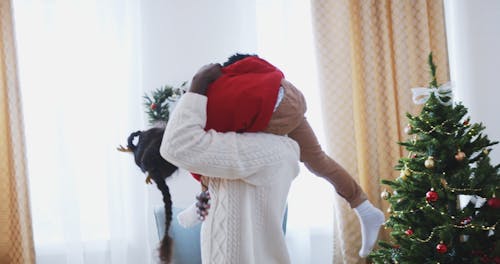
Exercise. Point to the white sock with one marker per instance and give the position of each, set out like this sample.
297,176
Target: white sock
188,217
371,219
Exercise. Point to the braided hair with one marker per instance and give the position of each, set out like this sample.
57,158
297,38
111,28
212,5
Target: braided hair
147,157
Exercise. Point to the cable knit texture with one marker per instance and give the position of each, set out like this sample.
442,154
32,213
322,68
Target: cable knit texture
249,179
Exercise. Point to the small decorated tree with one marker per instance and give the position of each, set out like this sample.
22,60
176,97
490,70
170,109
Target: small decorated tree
444,206
158,105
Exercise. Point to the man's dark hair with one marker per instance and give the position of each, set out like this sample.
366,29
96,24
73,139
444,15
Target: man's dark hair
236,57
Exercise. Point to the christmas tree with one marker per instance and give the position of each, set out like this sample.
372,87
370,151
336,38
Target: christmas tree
158,105
443,206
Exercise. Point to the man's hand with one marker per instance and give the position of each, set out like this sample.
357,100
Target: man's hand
205,75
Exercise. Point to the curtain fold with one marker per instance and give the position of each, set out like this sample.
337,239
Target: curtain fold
16,239
370,54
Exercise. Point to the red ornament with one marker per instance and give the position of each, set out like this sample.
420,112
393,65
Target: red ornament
494,202
466,122
409,232
441,248
431,196
153,106
497,260
485,259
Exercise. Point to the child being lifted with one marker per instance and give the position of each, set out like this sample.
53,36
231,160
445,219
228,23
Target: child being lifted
251,95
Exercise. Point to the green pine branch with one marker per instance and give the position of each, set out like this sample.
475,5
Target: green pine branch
157,104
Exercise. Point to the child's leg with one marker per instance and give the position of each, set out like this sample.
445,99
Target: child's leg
316,160
370,217
289,119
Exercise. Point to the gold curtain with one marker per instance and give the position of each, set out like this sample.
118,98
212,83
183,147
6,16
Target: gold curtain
16,239
370,54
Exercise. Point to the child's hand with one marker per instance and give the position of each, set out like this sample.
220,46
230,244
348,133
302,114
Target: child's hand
203,204
205,75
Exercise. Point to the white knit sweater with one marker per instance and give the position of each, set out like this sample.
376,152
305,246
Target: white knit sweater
249,179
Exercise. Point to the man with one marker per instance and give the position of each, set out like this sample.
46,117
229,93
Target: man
249,176
252,95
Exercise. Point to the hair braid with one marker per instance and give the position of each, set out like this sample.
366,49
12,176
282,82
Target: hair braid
166,243
147,157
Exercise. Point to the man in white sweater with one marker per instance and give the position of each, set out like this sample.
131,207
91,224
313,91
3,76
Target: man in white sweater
249,176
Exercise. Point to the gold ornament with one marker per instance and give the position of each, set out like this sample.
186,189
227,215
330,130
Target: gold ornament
389,210
460,155
385,195
405,173
444,182
402,175
486,151
429,162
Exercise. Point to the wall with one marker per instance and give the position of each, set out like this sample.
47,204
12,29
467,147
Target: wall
181,36
474,41
178,37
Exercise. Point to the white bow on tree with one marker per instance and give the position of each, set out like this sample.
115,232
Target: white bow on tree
443,92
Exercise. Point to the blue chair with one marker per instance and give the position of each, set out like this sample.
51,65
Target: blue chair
187,249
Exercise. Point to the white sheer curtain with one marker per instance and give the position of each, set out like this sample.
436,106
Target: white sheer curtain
473,40
284,34
80,78
80,68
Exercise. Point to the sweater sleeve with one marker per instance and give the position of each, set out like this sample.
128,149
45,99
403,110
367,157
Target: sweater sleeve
224,155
